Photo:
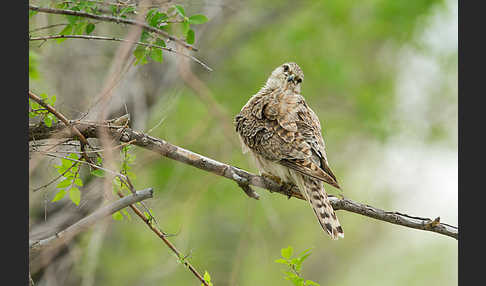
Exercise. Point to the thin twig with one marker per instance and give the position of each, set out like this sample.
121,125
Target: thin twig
242,177
88,37
166,241
55,179
115,20
82,224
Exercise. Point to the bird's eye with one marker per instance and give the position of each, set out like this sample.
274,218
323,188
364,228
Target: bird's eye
286,68
299,80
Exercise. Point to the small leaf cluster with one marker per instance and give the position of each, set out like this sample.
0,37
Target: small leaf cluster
207,278
165,21
37,109
78,25
71,180
187,21
295,265
122,11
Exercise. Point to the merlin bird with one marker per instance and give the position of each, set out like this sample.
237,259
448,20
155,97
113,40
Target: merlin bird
283,135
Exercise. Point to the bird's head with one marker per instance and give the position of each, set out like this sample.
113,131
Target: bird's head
288,75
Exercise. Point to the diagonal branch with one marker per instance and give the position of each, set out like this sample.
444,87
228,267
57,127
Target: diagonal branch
245,178
162,236
106,18
74,229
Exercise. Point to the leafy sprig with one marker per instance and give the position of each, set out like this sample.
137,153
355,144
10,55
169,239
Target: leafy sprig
71,179
175,15
77,24
295,266
38,110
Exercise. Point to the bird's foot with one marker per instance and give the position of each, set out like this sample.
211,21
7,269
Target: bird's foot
286,188
272,177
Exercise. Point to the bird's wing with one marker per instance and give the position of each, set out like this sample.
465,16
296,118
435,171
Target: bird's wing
281,127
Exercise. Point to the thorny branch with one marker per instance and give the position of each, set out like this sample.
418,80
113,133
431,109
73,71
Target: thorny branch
106,18
242,177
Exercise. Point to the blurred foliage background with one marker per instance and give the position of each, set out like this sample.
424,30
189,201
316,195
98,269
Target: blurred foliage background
382,77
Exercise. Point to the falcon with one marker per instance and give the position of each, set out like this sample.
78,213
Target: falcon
283,135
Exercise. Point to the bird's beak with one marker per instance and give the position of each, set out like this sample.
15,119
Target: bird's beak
290,78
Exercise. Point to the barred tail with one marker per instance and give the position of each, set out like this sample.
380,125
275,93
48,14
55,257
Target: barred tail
317,198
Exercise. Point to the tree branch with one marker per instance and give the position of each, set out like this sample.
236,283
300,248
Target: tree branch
115,20
244,178
91,219
61,117
87,37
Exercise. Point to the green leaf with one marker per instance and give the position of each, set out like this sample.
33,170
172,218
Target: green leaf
63,5
190,37
78,182
311,283
125,212
301,259
156,55
32,13
114,9
89,28
160,42
140,55
64,184
298,281
126,10
147,215
68,30
150,13
117,216
157,18
48,121
75,195
59,195
79,28
44,96
198,19
207,277
72,156
52,100
33,63
72,19
144,36
286,252
98,173
180,10
185,27
281,261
